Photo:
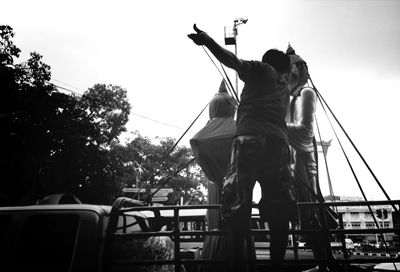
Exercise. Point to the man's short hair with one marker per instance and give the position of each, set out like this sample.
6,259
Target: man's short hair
277,59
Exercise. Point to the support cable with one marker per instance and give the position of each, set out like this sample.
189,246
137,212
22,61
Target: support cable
230,89
229,84
171,176
326,162
356,149
353,172
155,171
344,152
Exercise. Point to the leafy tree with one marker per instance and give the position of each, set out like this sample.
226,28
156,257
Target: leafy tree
62,143
142,162
106,110
28,105
56,143
8,50
93,124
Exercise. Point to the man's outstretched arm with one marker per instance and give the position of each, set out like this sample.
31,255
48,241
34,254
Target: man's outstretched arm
226,57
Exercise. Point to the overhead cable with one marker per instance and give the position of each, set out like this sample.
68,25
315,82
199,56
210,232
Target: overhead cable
352,143
155,171
230,87
323,103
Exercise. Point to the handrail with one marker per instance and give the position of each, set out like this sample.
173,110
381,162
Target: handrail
353,203
176,234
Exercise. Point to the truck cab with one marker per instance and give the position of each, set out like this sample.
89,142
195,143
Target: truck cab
63,237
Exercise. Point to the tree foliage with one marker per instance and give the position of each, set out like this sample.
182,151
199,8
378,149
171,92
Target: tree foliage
8,50
62,143
141,162
107,110
56,142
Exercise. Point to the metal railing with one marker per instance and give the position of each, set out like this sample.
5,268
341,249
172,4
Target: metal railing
121,206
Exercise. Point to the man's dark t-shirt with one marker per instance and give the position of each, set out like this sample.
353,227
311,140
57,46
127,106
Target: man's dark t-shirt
264,101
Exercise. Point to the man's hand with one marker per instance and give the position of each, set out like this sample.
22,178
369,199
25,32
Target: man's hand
224,56
200,37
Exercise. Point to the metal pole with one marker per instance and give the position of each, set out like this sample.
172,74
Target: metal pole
235,35
236,22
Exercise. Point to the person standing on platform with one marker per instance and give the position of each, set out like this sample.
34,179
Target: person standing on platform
260,153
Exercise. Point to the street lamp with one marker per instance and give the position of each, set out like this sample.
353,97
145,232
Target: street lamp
230,38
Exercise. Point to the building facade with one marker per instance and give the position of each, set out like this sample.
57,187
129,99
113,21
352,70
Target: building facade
360,217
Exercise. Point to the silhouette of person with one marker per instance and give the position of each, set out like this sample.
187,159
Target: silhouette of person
260,153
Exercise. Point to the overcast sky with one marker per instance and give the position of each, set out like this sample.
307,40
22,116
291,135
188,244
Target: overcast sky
352,49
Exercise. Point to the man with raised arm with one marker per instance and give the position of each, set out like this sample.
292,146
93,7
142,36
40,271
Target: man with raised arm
260,153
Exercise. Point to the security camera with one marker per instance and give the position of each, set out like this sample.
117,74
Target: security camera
241,20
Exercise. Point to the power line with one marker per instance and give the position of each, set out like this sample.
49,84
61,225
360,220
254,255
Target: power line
154,120
66,89
59,81
136,114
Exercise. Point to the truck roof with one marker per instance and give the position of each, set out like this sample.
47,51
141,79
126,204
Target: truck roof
100,209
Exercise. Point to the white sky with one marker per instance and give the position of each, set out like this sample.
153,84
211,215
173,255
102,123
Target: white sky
352,49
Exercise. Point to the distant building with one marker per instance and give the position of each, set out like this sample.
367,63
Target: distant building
360,217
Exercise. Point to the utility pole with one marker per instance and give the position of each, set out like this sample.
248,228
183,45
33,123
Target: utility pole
231,38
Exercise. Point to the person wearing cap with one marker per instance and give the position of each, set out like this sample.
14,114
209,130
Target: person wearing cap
301,123
260,153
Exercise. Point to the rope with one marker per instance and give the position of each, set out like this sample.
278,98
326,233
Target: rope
228,84
351,168
344,152
326,163
171,176
356,149
155,171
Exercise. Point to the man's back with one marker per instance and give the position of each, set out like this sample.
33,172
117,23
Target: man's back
264,101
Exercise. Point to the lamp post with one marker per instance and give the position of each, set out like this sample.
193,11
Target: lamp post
230,38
